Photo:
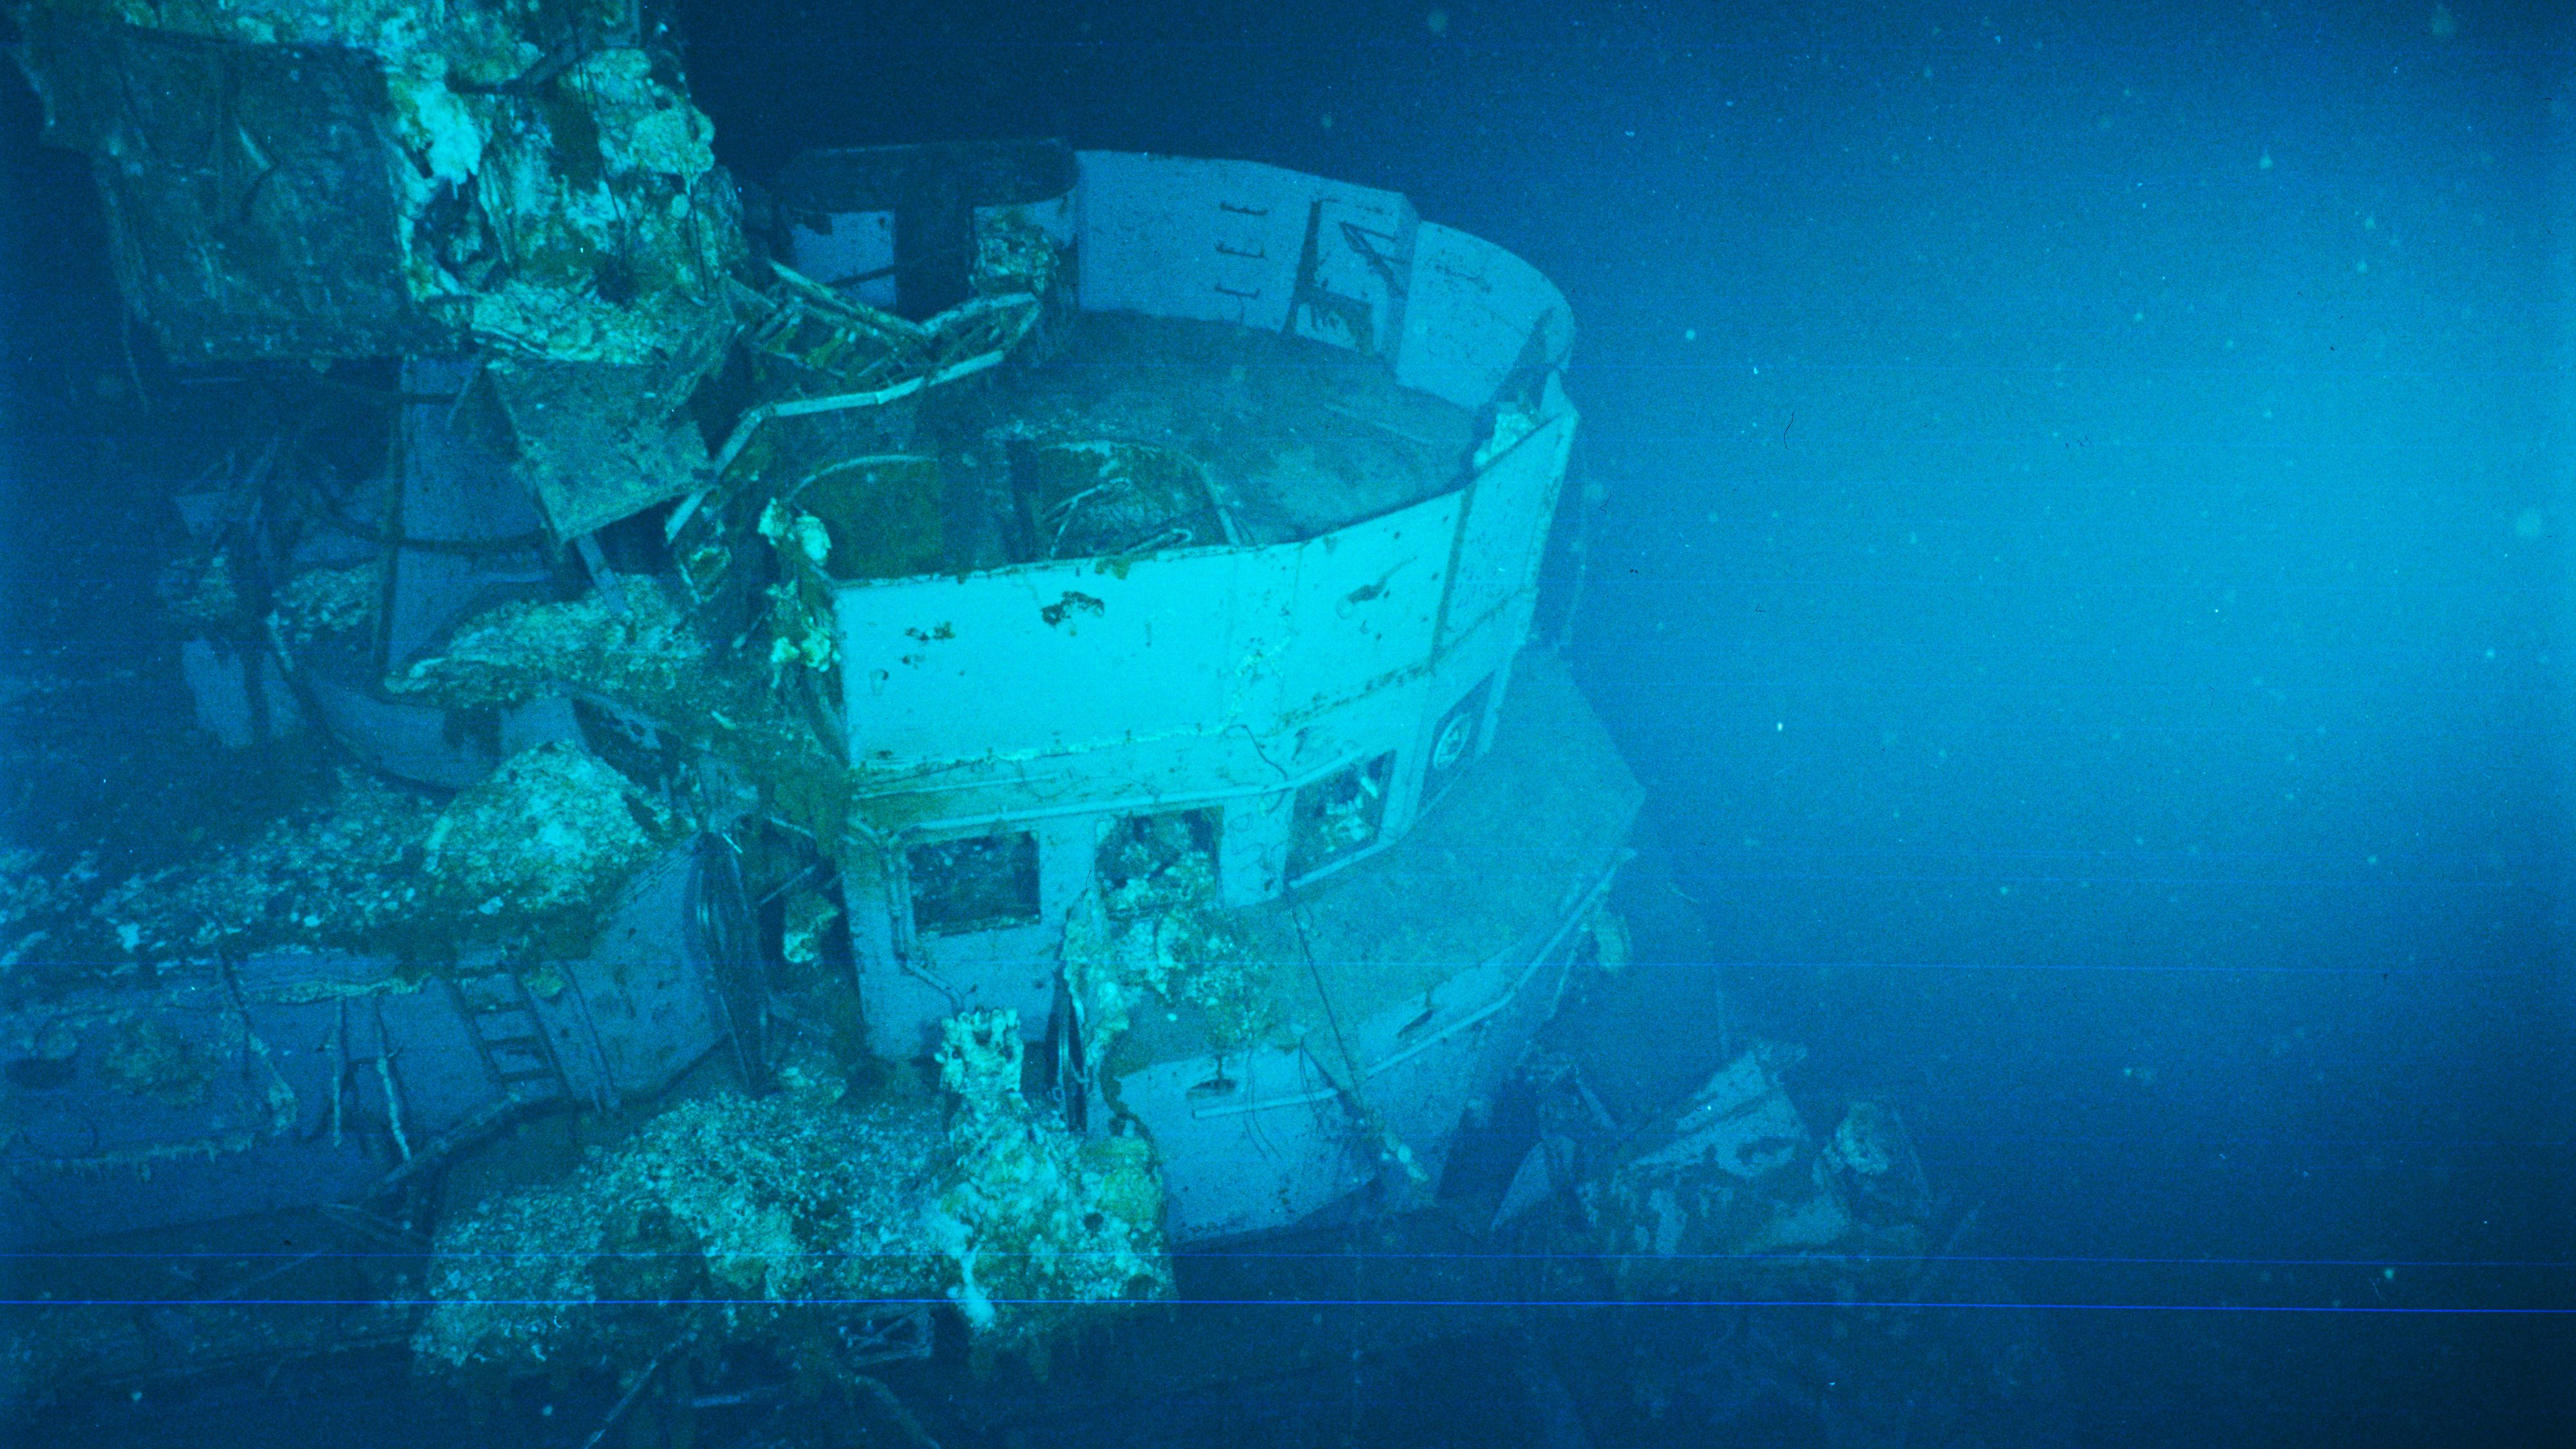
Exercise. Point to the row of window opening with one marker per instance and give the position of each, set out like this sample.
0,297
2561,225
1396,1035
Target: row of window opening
1144,863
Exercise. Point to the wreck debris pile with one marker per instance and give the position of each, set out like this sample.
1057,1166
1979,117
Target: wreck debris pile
532,175
1036,1222
1734,1189
326,602
648,656
650,661
724,1209
535,853
336,872
1163,943
726,1214
923,770
552,833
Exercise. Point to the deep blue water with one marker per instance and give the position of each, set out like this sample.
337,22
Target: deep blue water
2082,573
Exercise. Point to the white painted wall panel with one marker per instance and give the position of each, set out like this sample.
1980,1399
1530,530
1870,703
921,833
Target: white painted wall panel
1063,656
1216,241
1506,525
1470,310
847,244
1234,1165
1366,604
1051,657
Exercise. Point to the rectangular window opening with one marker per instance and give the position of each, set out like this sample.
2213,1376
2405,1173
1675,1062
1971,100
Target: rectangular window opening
980,883
1155,862
1339,815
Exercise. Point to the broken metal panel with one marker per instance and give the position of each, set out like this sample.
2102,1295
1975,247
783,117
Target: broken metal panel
247,188
1734,1190
1740,1122
475,527
902,227
371,180
601,441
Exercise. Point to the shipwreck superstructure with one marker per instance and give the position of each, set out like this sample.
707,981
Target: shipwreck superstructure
1158,666
976,705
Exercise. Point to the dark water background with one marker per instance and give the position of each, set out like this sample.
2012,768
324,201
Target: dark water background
2082,576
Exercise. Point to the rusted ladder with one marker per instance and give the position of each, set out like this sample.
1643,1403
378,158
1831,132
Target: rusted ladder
509,1035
